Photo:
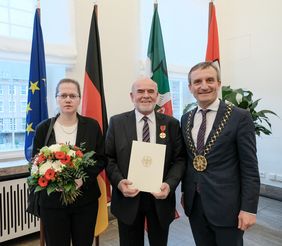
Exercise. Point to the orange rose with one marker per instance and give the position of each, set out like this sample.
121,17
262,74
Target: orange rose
41,158
50,174
79,153
42,181
66,160
60,155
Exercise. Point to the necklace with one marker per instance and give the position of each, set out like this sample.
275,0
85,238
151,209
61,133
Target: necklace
68,129
200,162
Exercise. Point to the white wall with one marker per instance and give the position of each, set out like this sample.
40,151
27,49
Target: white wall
119,35
250,44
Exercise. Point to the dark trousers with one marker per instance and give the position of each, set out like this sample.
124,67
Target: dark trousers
63,225
206,234
133,235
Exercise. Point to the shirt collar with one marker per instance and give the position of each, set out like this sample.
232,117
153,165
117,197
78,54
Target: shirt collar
139,116
213,107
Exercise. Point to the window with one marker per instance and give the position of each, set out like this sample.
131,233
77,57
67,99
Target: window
16,28
1,127
16,18
11,89
180,93
13,81
12,124
23,106
12,107
24,90
23,123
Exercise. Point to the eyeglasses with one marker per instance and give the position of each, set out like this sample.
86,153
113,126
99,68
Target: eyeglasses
71,96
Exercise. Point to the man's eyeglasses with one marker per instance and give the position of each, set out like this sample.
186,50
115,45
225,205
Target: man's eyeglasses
64,96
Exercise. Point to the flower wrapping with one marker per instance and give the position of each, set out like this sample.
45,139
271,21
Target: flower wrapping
56,169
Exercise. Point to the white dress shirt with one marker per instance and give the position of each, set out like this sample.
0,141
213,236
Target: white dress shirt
210,116
140,124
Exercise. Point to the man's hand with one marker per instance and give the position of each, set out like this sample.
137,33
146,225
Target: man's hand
126,191
165,189
246,220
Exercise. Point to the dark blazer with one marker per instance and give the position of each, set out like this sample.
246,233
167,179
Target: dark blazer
121,133
231,181
88,132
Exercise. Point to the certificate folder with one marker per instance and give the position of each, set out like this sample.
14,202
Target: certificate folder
146,166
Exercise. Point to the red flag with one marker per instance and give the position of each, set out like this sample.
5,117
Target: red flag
212,53
94,106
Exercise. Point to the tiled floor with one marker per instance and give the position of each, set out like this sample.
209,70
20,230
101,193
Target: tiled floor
267,231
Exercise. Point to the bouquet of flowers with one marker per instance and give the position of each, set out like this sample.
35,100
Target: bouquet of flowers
55,168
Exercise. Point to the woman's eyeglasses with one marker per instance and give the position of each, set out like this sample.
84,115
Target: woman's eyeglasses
71,96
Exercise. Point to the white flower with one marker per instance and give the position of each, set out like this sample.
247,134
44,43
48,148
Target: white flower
57,166
34,170
71,153
55,147
44,167
239,98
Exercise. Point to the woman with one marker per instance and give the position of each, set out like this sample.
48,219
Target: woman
76,221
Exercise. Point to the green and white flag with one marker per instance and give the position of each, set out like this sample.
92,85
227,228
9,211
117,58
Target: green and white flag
157,65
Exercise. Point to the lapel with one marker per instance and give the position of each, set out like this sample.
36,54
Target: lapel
129,126
188,128
161,123
81,130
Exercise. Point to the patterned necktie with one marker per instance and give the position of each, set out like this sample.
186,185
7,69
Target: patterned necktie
146,131
201,132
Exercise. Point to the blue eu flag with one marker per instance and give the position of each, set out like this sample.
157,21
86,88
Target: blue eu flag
37,91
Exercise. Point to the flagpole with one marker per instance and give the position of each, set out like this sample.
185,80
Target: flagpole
210,11
97,238
42,233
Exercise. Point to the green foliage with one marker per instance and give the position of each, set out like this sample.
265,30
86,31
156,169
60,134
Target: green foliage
244,99
189,106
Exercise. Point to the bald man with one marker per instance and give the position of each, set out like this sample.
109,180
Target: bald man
131,206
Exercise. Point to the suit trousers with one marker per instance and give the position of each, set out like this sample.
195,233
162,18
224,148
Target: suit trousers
133,235
207,234
63,225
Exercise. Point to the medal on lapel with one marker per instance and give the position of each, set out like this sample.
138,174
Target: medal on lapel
162,128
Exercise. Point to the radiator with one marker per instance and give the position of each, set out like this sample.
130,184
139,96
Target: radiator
14,221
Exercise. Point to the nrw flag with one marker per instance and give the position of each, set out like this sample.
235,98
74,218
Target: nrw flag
157,64
94,106
158,68
212,53
36,110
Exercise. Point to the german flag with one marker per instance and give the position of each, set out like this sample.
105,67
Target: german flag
94,106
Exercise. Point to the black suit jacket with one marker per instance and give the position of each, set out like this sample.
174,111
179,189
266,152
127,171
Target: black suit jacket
88,132
231,181
121,133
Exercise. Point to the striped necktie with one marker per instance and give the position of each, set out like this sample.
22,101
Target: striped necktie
146,130
202,131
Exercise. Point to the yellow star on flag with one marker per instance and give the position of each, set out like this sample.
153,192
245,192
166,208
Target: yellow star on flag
28,108
29,128
33,86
